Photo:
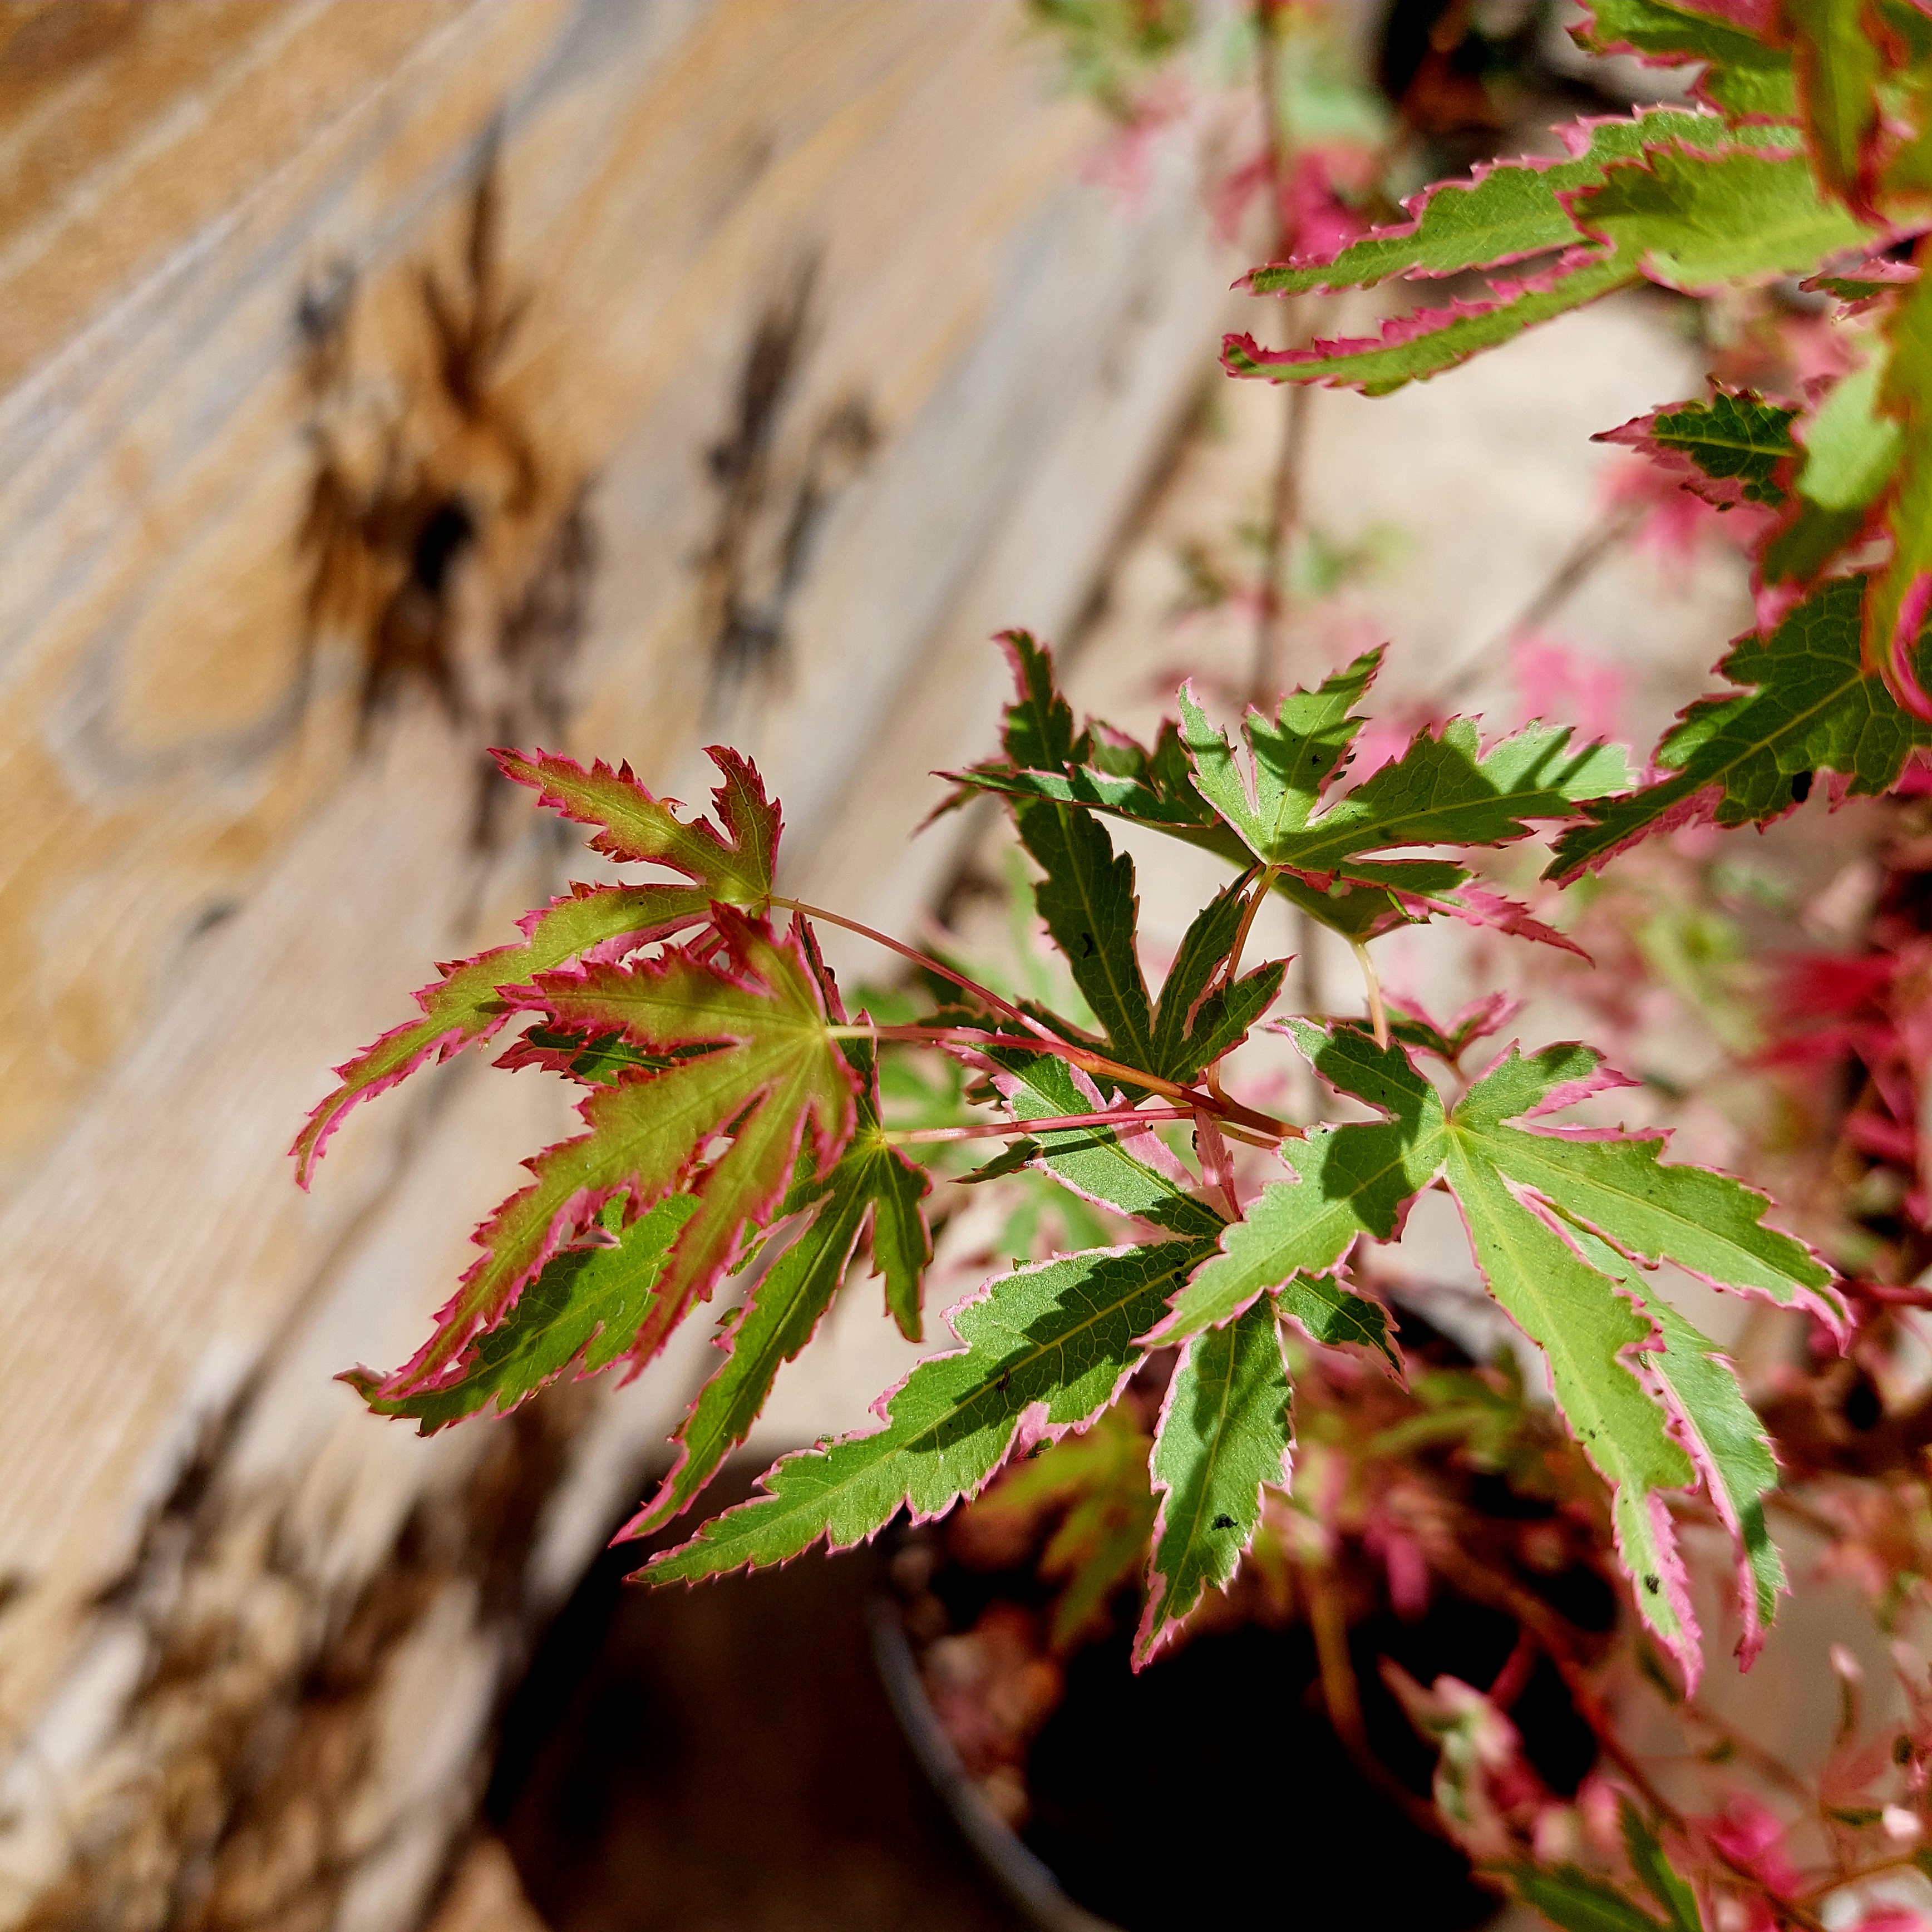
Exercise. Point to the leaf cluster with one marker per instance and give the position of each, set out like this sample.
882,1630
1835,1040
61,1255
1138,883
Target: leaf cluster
1807,152
745,1137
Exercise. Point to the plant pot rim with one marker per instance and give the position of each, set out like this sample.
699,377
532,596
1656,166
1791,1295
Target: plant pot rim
1023,1875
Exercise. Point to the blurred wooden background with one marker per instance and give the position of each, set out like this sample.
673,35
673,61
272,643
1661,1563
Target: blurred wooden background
382,379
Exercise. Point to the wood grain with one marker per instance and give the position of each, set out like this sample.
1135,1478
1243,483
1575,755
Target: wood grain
209,889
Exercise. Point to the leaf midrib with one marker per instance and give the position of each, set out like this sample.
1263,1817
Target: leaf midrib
1191,1546
1686,774
1547,1166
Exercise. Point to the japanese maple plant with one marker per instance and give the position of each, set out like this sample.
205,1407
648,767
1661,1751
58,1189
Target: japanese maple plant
735,1137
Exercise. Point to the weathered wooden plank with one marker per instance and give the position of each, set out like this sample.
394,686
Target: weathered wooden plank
209,889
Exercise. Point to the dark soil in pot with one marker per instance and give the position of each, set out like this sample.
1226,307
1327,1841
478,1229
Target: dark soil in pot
1212,1785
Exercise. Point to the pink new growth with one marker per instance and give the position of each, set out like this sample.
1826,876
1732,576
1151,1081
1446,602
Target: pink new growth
1554,681
1675,520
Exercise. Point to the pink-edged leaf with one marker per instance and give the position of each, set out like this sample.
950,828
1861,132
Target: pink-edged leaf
1697,221
1352,1183
1746,76
776,1075
1587,1332
734,866
1042,1350
1680,214
1840,61
1862,285
1410,1023
581,1313
1479,906
1733,1454
778,1319
593,1059
1807,708
1720,1432
1534,1197
1617,1185
1735,449
1505,211
1409,348
873,1182
1225,1432
1898,601
474,996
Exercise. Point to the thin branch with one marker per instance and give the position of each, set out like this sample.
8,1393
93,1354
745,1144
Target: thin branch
1264,885
1769,1765
1192,1098
1284,518
1830,1885
1579,563
919,959
1284,511
1116,1117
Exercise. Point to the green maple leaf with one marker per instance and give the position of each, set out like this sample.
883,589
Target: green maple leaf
1199,1017
1411,348
1900,597
1043,1349
1655,1874
775,1077
1742,74
1699,222
1225,1432
1577,1901
1682,216
583,1311
1726,1441
1088,903
475,997
1445,789
1506,211
1734,448
1851,451
872,1181
1139,1179
1808,708
1532,1200
1840,64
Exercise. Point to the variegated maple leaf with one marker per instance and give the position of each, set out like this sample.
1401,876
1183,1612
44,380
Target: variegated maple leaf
1557,1218
1690,203
874,1190
1278,805
1736,448
774,1079
1806,714
474,996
